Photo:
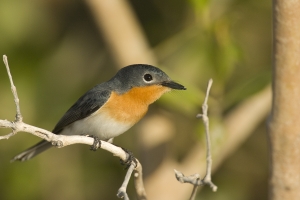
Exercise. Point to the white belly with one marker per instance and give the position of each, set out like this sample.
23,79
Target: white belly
99,125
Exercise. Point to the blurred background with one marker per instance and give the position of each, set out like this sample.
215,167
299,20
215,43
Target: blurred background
57,50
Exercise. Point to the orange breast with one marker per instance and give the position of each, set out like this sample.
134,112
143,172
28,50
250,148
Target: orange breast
131,106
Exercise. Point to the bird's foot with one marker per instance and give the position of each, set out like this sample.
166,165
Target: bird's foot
97,142
130,158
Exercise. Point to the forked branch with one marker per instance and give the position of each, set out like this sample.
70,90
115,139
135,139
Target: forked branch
195,179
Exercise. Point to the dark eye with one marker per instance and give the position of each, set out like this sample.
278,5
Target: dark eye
148,77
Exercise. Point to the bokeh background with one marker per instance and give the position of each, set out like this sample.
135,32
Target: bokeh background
59,49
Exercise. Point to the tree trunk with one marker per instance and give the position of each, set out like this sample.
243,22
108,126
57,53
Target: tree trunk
284,124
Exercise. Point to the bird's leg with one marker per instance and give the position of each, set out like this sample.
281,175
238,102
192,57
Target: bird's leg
130,158
96,144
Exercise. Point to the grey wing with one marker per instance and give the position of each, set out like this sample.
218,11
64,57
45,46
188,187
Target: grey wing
85,106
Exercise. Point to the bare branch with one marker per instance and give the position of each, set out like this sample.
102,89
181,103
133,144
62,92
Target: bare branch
195,179
14,90
62,140
139,183
122,190
194,192
192,179
205,119
248,114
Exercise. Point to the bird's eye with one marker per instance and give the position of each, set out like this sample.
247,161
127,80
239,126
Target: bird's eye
148,77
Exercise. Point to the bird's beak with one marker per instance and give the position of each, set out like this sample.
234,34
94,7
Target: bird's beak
173,85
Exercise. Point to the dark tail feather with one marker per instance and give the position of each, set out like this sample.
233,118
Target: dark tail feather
33,151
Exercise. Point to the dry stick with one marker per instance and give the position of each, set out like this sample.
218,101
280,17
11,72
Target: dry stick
194,192
61,140
19,117
205,119
122,190
138,183
14,91
195,179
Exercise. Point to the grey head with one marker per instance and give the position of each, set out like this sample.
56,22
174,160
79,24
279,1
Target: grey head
140,75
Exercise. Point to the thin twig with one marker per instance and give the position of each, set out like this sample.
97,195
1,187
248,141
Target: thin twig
194,192
122,190
14,90
138,183
205,119
194,179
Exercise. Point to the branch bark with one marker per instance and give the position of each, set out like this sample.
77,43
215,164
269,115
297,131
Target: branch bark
284,126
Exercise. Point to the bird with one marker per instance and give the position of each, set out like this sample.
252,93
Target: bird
111,108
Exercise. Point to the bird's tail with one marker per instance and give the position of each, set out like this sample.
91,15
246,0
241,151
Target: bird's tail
32,151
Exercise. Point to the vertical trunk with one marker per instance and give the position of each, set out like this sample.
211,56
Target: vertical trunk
284,124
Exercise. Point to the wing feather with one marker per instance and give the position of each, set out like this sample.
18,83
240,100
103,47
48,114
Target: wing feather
84,107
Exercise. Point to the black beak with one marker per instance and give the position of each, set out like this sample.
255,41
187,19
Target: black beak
173,85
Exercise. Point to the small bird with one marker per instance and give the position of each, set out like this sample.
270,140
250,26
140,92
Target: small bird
111,108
